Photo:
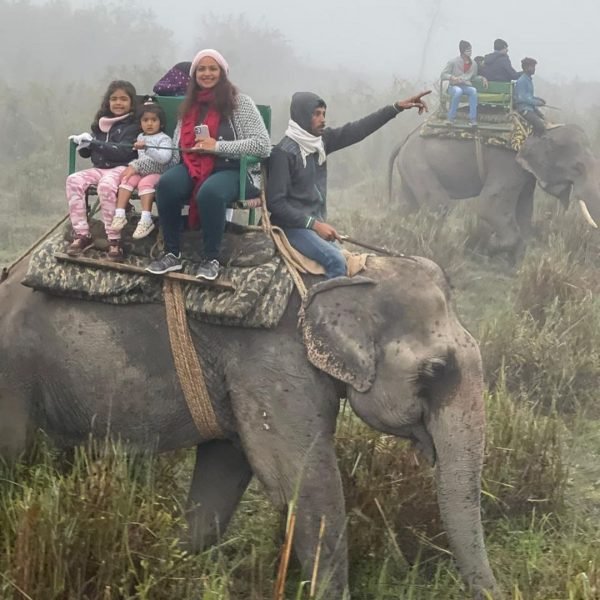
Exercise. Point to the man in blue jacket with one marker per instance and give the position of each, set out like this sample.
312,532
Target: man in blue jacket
526,102
297,185
497,65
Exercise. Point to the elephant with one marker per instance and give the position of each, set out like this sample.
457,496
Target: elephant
435,171
389,341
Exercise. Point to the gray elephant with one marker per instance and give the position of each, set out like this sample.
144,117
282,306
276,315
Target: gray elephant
391,343
436,171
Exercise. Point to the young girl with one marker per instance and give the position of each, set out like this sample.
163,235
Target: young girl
153,159
110,147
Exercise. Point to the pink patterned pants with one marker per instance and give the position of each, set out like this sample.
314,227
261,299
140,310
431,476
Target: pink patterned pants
107,183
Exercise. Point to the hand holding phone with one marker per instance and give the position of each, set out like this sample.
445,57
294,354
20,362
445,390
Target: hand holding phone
201,132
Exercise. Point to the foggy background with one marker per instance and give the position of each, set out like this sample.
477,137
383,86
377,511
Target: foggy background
56,59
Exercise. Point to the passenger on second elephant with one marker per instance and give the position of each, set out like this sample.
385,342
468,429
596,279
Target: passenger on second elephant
460,73
497,65
526,102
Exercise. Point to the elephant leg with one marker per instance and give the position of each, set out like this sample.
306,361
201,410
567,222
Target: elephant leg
524,208
286,424
499,199
497,207
221,475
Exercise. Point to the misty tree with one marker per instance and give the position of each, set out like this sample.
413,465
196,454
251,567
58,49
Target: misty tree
433,16
260,57
55,42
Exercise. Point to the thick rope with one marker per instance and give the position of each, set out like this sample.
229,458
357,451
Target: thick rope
479,157
187,365
268,229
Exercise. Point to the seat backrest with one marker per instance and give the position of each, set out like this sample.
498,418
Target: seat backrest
499,87
494,87
265,113
171,106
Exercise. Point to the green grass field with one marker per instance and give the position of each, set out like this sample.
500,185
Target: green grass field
108,526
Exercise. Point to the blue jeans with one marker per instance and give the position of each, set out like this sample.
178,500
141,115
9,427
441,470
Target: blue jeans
456,91
328,254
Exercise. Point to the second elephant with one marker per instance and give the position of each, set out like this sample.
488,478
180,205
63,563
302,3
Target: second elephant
435,172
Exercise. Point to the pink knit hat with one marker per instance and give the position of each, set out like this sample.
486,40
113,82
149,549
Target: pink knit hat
214,54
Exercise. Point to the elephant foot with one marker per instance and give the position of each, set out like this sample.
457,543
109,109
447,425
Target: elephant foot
517,254
511,245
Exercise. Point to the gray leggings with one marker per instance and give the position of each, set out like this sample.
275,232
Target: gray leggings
536,120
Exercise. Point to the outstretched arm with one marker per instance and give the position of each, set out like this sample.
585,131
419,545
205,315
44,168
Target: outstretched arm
351,133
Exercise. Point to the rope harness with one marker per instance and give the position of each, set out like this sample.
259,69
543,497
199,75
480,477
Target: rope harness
188,367
268,229
479,157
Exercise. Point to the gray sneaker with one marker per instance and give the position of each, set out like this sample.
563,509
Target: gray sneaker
208,269
167,262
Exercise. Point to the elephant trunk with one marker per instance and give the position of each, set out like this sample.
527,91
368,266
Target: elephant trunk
457,426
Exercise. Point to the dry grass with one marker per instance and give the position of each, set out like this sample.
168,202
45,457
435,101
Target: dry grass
108,526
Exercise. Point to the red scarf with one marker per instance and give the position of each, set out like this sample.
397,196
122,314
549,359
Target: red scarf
199,166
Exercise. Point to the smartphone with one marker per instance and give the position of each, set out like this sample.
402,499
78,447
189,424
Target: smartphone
201,131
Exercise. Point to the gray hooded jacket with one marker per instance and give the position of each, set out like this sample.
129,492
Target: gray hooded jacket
297,194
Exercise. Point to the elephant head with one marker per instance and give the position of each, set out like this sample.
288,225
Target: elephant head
413,371
564,166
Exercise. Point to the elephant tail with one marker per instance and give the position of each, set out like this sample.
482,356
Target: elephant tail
393,158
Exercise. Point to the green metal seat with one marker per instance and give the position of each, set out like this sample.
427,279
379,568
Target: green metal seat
171,106
498,94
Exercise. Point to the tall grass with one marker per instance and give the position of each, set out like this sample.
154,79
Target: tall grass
108,525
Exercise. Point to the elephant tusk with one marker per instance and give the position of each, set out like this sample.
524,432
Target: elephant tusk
586,214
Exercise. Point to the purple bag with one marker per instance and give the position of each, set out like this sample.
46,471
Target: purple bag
175,81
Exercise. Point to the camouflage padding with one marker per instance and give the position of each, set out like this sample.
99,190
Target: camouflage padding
517,131
248,247
262,289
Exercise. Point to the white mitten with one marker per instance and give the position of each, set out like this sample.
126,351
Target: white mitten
82,137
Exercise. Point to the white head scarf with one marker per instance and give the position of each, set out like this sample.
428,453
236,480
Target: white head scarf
309,144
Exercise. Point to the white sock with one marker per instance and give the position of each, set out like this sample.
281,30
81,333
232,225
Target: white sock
119,212
146,216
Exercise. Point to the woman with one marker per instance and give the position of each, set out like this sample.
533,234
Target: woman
219,125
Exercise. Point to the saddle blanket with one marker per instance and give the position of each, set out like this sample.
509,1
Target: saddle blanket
262,282
496,129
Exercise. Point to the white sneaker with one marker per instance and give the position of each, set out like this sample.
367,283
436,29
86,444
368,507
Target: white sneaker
143,229
118,223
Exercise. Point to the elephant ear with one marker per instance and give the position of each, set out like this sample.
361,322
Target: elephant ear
553,157
537,156
338,331
562,191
